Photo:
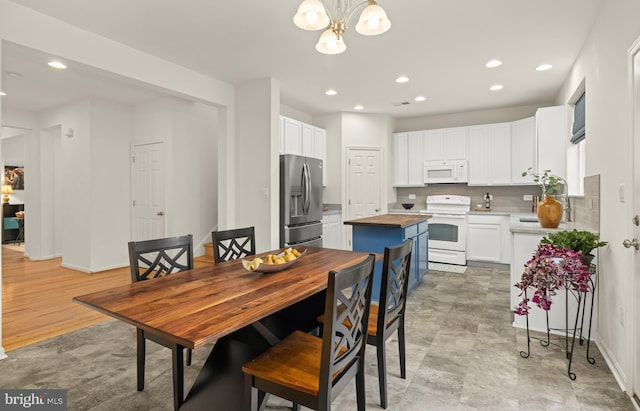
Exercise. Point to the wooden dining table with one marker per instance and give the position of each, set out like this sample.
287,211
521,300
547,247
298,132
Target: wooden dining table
243,312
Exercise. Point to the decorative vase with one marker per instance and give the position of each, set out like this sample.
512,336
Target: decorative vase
550,212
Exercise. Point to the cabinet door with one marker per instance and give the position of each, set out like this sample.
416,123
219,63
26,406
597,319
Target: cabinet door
455,140
400,166
484,241
433,145
552,138
292,137
414,158
500,154
479,138
308,145
523,148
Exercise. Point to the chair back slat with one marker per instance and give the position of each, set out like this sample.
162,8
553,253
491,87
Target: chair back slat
346,316
233,244
160,257
395,282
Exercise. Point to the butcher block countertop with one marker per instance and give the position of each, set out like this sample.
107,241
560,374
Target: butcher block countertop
391,220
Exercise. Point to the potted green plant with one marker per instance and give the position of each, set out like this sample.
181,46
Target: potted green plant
578,241
549,209
550,184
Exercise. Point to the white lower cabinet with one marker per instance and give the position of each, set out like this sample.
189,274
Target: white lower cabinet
331,232
488,238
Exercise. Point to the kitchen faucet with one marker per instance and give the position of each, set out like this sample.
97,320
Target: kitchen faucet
566,196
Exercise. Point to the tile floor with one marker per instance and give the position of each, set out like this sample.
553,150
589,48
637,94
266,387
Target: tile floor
463,354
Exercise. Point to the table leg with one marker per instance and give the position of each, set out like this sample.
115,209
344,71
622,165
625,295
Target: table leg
178,375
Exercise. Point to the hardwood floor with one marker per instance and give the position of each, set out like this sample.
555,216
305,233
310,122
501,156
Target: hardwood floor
36,297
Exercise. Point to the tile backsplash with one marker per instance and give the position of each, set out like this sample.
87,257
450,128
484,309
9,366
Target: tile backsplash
505,198
585,209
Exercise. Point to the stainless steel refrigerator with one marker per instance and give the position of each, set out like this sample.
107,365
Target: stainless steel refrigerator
300,201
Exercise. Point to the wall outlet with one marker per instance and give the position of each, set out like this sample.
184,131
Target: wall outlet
527,197
412,196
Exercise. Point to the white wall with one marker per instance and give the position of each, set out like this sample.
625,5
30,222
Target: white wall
109,184
604,66
257,163
469,118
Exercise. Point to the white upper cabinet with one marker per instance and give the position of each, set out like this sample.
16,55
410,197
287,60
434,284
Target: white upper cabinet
445,144
490,154
303,139
456,143
523,149
552,136
433,147
308,146
290,136
407,159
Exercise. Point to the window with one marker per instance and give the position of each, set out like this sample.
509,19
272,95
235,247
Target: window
576,150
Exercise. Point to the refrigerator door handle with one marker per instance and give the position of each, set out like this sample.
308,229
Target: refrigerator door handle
307,189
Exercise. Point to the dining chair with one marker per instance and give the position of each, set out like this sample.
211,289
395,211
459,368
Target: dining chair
388,315
153,259
312,371
233,244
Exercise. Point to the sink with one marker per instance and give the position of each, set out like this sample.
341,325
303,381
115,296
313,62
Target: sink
528,220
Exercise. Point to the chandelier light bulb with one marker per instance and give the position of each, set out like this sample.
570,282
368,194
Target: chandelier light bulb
373,20
311,15
329,43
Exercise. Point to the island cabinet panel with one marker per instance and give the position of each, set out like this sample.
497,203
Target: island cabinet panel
374,238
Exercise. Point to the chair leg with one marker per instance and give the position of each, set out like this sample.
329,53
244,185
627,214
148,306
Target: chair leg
295,407
360,394
250,394
382,372
189,350
402,349
140,353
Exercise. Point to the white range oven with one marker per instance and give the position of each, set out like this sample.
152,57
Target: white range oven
448,228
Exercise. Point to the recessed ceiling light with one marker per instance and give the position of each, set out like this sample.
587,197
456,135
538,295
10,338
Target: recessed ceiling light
402,79
2,93
420,98
331,92
493,63
358,107
496,87
544,67
57,64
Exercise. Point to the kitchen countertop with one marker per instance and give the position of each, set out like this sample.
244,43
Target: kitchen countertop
391,220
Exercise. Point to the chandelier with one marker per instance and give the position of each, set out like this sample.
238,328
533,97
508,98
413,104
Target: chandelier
315,15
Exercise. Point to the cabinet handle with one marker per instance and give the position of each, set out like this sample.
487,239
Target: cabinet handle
160,213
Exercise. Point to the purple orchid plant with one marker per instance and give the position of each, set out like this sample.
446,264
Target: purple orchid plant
551,269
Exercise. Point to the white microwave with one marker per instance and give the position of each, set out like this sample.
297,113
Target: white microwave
446,171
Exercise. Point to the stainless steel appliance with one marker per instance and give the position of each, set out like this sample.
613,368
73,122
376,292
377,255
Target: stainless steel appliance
448,228
447,171
300,201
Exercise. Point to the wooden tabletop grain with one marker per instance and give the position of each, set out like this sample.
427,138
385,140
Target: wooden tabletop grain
391,220
195,307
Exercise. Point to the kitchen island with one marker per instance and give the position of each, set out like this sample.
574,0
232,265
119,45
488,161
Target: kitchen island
373,234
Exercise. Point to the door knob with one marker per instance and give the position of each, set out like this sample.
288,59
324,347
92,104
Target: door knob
635,243
160,213
376,210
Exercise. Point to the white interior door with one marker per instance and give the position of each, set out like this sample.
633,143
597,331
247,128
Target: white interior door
635,55
364,184
148,167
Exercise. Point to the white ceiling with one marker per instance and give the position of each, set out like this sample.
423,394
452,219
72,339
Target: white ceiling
441,45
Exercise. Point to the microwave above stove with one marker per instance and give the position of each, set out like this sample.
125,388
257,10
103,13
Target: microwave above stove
446,171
